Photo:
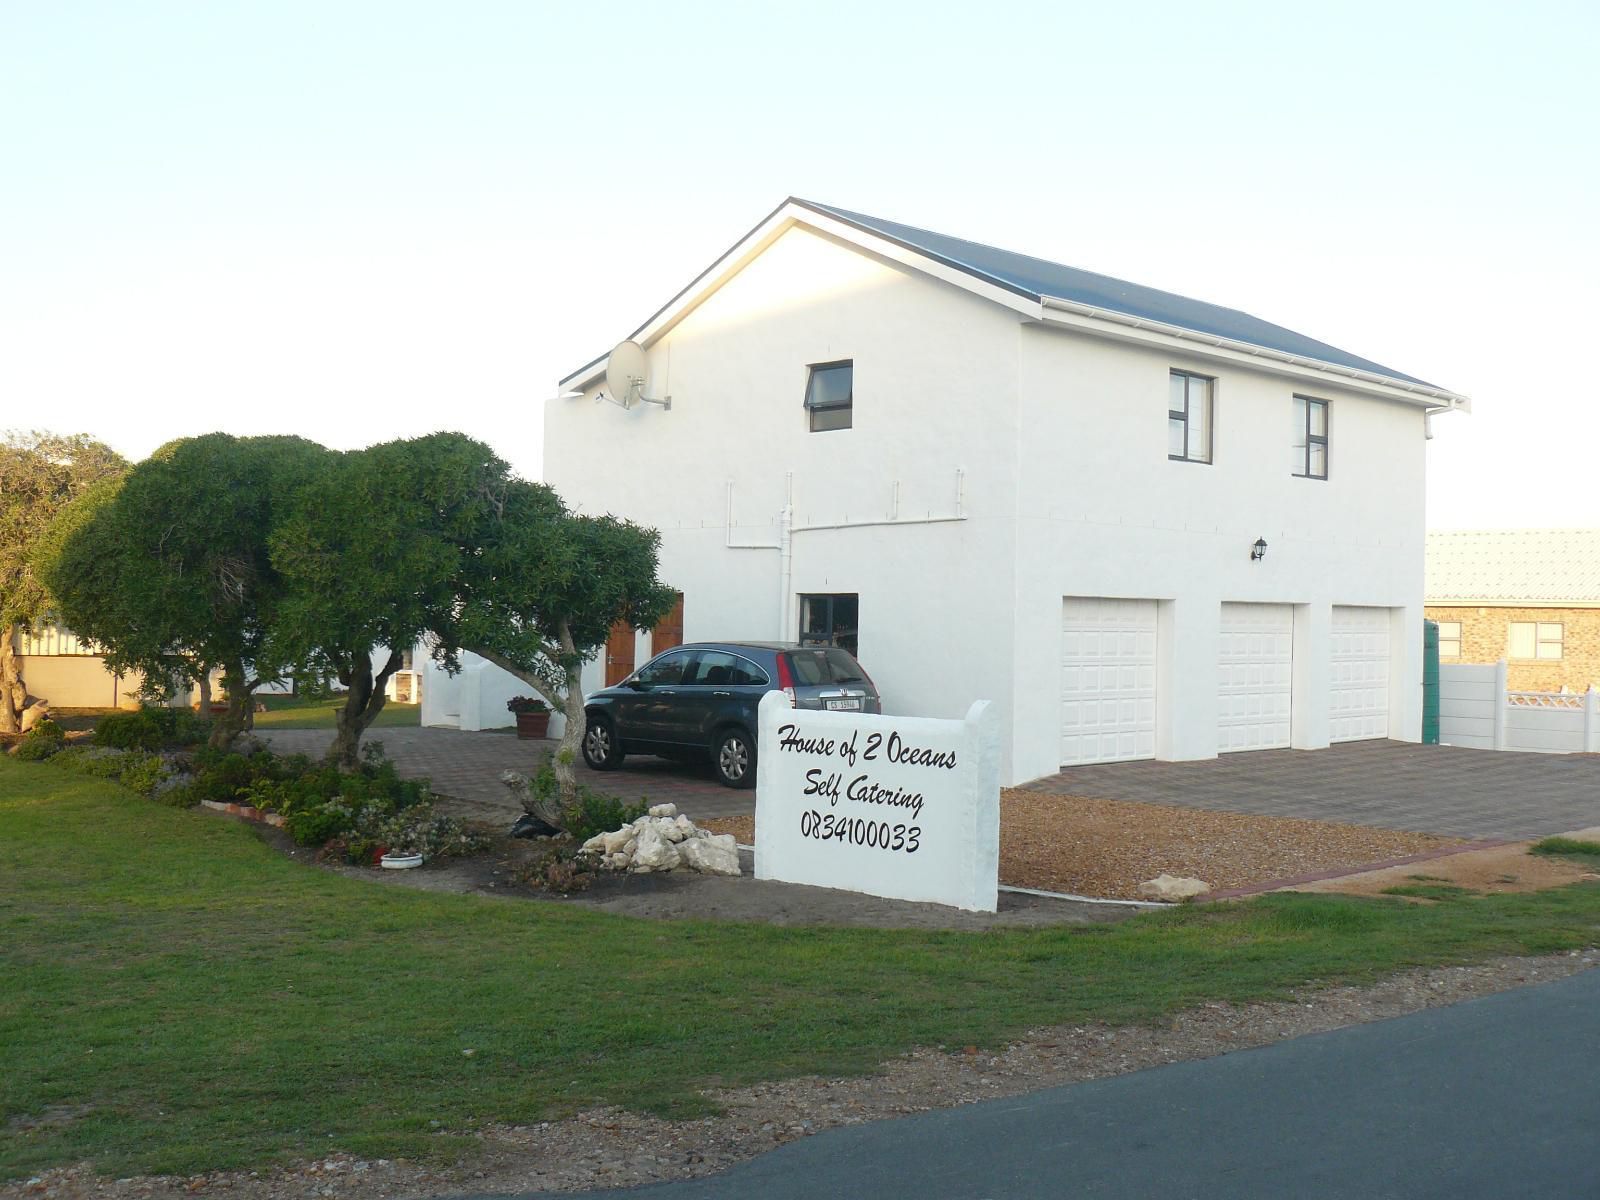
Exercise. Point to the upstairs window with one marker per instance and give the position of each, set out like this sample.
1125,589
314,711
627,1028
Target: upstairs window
830,388
1189,418
1310,438
1535,639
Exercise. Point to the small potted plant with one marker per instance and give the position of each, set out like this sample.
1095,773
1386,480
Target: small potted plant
533,716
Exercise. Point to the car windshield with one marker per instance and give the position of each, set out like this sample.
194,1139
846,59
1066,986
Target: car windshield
825,665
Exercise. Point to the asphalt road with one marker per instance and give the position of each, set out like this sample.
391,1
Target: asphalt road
1495,1097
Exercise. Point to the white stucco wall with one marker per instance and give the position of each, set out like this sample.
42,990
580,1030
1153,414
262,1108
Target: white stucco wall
474,698
79,681
1060,439
934,395
1103,512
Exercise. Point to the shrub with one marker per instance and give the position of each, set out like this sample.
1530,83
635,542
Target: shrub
150,728
136,770
558,868
314,824
414,830
592,813
43,740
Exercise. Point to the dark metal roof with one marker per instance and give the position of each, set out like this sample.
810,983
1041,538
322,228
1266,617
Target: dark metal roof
1036,279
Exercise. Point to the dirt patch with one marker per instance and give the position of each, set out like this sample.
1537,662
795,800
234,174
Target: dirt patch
1493,870
1107,848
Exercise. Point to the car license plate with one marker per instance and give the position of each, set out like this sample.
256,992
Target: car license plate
850,705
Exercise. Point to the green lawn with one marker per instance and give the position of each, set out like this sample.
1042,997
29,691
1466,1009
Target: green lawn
175,996
283,712
294,712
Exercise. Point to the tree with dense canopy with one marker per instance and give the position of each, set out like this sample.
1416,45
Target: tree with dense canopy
373,550
171,573
40,475
543,592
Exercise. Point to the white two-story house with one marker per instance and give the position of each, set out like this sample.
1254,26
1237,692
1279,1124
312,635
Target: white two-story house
1144,526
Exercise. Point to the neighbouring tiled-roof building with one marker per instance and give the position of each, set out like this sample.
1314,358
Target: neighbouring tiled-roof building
1529,596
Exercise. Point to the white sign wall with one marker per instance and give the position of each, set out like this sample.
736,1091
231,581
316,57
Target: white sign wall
902,807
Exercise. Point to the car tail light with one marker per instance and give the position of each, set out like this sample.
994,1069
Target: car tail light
786,679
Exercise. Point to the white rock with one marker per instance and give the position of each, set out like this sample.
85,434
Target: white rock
711,855
655,853
1172,887
663,810
616,840
683,823
629,847
35,713
597,842
668,829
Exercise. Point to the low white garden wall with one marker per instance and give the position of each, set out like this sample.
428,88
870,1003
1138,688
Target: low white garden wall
1477,710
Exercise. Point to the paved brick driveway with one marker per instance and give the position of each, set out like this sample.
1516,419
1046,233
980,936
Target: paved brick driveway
1394,785
467,766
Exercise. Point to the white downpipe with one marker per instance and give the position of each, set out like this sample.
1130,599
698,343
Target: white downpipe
787,616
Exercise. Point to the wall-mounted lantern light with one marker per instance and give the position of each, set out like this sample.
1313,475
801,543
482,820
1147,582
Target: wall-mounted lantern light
1259,550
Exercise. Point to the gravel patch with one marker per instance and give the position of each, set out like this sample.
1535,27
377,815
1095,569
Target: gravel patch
612,1148
1107,848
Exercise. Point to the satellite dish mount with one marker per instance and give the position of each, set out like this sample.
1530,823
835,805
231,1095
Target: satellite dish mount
627,372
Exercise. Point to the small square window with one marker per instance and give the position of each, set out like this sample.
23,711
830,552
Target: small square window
830,395
830,620
1189,417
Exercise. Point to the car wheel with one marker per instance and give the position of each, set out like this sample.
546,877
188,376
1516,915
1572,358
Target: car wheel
734,757
601,749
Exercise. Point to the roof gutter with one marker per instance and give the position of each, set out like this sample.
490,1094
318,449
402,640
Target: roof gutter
1451,400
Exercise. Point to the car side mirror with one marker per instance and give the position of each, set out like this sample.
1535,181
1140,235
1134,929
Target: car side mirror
637,685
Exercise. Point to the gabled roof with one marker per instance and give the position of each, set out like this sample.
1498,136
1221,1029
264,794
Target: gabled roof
1038,279
1537,567
1041,290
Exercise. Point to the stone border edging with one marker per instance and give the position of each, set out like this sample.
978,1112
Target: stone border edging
248,812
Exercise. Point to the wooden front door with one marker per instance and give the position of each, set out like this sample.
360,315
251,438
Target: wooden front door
619,653
669,630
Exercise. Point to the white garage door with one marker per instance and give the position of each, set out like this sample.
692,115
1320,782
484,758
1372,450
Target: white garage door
1108,680
1254,676
1358,706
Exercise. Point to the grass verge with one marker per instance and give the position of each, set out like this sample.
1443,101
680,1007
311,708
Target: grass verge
1566,847
295,712
175,996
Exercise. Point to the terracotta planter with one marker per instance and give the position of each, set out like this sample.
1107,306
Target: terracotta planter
532,724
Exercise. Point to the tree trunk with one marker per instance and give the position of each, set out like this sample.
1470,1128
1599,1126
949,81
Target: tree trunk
13,693
240,698
363,701
205,693
569,702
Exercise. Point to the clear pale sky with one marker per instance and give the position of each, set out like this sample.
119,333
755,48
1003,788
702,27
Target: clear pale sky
357,221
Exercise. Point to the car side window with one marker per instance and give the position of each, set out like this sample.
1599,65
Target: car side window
666,669
715,667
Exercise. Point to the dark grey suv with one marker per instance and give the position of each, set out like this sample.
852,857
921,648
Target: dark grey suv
700,700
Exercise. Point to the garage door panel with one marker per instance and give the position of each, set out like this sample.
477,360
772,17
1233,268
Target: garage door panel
1108,676
1255,675
1358,698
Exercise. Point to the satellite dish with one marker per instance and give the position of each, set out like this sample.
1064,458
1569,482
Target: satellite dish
626,374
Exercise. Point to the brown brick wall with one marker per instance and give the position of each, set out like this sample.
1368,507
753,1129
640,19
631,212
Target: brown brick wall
1486,638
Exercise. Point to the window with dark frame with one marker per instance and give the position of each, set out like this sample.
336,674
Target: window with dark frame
830,620
830,392
1189,414
1310,438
